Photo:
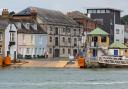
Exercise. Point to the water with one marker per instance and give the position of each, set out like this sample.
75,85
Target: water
39,78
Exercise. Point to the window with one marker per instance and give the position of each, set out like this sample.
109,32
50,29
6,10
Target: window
75,44
12,36
102,11
68,29
117,31
117,39
0,36
63,51
69,51
56,30
103,39
0,50
69,40
63,29
28,50
98,11
94,11
74,31
50,28
50,50
90,11
75,39
63,39
27,25
125,51
31,38
107,11
100,21
50,39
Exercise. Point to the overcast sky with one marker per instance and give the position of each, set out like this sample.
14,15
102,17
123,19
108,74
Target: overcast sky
64,5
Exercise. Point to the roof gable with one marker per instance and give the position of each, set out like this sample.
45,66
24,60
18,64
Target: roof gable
118,45
98,31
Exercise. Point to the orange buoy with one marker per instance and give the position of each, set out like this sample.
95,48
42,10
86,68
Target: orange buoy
1,61
7,60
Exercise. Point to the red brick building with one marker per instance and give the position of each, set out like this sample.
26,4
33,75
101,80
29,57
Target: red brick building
88,23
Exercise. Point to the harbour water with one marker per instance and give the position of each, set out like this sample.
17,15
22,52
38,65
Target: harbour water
51,78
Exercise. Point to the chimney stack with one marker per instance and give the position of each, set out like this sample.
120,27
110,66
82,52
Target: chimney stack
5,13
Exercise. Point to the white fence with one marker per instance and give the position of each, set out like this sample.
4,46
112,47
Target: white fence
113,60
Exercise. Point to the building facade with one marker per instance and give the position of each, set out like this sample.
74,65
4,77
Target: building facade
87,23
108,17
8,38
97,45
119,33
63,33
32,40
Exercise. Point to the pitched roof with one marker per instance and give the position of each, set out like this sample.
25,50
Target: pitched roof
98,31
78,15
49,16
118,45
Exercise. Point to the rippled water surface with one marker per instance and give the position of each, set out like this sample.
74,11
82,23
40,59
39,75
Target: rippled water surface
39,78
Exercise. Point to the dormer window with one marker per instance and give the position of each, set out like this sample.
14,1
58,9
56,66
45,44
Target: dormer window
26,25
18,25
34,26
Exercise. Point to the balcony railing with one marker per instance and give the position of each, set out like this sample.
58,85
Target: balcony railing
113,60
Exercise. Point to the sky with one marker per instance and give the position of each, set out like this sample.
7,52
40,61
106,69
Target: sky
64,5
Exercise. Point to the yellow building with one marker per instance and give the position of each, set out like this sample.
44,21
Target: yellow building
97,43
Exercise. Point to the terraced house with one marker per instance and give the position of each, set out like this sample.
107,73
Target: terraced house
63,33
32,40
8,36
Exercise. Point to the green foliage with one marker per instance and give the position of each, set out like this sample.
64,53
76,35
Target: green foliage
124,19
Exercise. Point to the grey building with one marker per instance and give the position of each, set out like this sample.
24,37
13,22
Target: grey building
64,34
108,17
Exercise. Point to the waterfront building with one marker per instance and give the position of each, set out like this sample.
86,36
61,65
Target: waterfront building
8,36
63,33
87,23
97,44
126,35
119,33
32,40
108,17
118,49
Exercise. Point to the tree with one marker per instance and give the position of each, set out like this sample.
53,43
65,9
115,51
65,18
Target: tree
124,19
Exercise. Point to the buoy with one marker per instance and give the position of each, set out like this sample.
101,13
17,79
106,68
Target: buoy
7,60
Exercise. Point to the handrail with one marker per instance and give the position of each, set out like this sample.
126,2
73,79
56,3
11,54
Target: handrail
113,60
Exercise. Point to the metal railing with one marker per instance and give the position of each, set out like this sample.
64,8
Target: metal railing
113,60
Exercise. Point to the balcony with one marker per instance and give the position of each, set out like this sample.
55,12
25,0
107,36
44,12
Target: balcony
11,43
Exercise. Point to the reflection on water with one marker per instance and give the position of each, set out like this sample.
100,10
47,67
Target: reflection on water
39,78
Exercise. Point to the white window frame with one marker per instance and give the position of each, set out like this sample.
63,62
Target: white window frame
0,50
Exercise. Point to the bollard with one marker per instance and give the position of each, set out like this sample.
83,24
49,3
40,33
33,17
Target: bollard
7,60
1,61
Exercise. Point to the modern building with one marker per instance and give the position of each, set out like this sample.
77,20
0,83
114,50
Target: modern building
119,33
108,17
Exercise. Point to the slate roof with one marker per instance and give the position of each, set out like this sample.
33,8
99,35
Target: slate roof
77,14
118,45
98,31
49,16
